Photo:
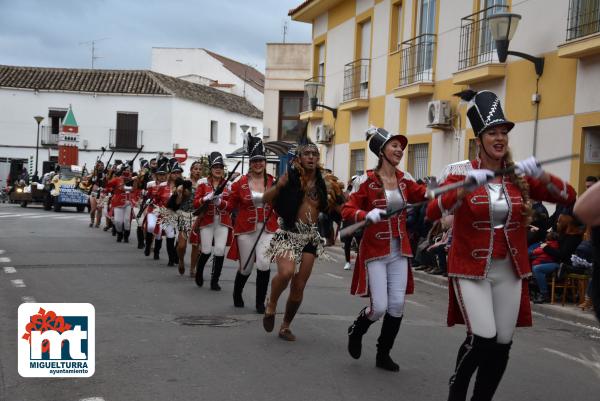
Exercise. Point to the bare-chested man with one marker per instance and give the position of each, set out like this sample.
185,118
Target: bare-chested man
298,197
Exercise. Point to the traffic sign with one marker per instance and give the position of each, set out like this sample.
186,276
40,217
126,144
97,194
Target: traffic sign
181,155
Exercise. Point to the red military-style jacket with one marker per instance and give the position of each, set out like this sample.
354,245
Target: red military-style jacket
474,240
369,194
240,198
204,188
121,196
158,194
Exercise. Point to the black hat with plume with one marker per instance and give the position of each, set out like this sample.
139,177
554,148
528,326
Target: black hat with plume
255,148
484,110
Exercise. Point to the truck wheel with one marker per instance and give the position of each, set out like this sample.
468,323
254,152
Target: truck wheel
56,206
24,204
80,208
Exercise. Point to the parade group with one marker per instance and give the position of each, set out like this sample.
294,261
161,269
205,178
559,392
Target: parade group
263,220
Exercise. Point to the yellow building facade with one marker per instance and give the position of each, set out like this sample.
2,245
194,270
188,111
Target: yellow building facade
397,63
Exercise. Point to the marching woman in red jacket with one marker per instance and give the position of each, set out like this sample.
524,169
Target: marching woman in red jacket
382,270
488,261
215,223
121,203
251,236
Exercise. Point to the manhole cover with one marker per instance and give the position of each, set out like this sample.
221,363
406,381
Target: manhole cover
213,321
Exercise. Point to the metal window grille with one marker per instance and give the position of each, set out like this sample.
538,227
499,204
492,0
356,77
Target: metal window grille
418,155
357,162
417,59
476,43
356,80
583,18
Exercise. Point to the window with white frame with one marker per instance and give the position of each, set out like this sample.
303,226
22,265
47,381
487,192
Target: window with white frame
357,162
214,131
418,160
232,133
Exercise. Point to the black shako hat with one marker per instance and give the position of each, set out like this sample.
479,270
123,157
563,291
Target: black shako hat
215,158
484,110
162,166
174,166
379,137
255,148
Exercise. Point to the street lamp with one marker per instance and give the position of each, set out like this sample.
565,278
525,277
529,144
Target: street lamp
503,27
314,90
38,119
244,128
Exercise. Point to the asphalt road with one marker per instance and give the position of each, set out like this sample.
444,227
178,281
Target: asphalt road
144,352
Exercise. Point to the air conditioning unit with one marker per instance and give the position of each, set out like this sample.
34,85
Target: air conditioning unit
439,114
324,133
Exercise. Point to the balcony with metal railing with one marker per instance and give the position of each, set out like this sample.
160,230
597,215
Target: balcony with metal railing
477,57
417,57
125,139
49,135
583,29
307,112
356,85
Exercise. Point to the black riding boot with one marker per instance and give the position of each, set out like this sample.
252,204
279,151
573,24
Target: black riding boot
262,284
139,233
490,372
171,251
119,236
157,246
470,354
216,273
126,236
356,333
200,268
149,238
385,342
238,287
114,230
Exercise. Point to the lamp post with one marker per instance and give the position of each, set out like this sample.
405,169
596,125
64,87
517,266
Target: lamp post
38,119
503,27
245,128
314,90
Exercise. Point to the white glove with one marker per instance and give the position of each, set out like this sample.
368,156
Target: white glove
529,167
208,197
374,216
478,178
216,200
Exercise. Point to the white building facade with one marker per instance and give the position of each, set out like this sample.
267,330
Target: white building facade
211,69
120,110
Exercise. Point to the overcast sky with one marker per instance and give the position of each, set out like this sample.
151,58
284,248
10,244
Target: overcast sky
49,33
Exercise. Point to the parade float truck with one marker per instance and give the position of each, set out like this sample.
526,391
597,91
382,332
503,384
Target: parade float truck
66,190
34,193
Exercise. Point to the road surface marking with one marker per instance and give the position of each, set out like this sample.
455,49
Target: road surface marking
9,270
576,324
2,251
4,260
18,283
35,216
13,215
334,276
420,280
594,365
408,301
92,399
28,300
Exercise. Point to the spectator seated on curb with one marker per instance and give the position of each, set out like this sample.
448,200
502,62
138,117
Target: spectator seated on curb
569,236
432,253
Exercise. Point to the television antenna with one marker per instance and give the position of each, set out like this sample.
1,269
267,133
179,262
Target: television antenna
93,48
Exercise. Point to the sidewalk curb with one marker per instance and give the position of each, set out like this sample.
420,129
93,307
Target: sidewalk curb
570,313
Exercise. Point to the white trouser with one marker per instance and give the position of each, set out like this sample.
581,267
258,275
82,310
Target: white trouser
170,231
217,232
387,284
490,306
245,242
105,209
122,218
151,222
